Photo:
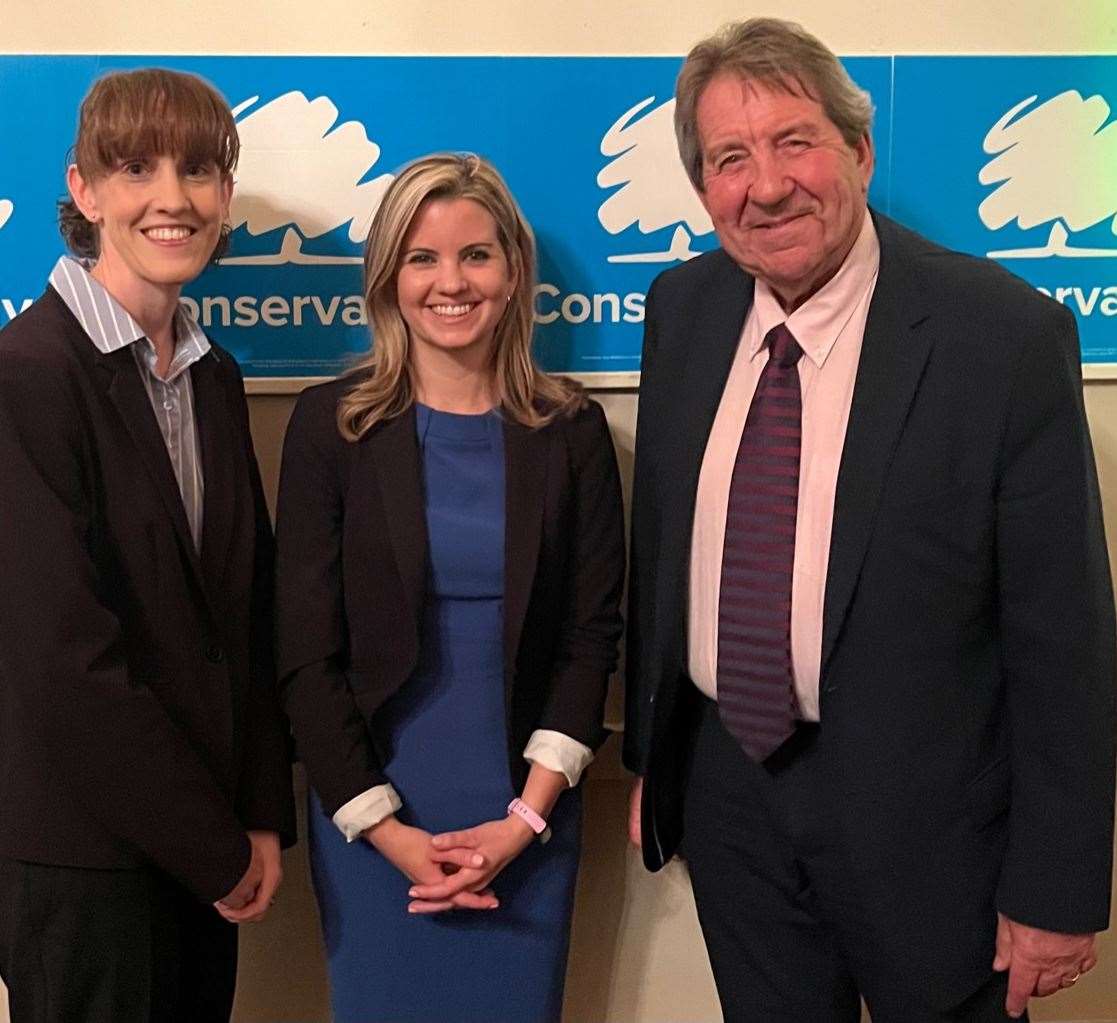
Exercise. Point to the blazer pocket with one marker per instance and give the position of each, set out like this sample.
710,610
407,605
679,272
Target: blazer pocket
944,533
921,496
361,681
988,795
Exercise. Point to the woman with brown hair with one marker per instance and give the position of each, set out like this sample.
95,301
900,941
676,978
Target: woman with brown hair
451,560
145,784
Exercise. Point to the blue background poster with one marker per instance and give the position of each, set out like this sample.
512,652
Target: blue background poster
1016,158
1013,157
586,144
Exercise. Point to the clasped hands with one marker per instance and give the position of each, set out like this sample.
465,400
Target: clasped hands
454,870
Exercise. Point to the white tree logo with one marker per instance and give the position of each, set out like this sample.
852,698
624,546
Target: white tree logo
655,191
298,170
1056,163
7,208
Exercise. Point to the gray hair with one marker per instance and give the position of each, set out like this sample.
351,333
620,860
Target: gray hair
780,55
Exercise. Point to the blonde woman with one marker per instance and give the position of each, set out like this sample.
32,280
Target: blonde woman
451,560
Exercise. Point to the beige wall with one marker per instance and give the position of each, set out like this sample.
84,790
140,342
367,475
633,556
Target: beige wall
542,26
636,953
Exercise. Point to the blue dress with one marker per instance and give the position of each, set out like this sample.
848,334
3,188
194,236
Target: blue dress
449,763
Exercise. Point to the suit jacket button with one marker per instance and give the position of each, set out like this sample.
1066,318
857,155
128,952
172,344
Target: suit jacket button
214,653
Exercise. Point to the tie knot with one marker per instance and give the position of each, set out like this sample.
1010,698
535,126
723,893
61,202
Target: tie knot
782,346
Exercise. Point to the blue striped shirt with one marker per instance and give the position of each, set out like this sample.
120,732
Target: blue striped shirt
110,328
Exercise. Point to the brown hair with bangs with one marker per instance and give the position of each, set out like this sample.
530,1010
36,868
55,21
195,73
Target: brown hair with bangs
129,115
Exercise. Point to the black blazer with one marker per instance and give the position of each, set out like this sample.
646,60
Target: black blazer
968,638
352,576
138,721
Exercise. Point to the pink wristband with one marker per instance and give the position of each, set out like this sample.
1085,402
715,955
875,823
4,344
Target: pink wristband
533,820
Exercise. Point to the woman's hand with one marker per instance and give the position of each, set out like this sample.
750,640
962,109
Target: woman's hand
410,851
498,843
252,897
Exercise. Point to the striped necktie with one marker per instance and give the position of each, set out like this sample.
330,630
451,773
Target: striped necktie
756,696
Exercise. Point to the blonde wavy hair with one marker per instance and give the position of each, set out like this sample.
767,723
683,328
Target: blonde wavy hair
386,388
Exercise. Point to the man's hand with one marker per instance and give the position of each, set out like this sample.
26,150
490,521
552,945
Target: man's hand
250,899
409,850
1039,962
634,798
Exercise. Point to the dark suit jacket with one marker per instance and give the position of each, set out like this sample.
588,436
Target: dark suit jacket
968,643
353,570
138,722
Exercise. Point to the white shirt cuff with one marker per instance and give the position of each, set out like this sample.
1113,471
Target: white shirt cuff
365,810
558,753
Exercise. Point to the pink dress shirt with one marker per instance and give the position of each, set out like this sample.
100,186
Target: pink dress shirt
829,327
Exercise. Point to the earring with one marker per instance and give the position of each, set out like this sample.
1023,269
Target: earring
221,249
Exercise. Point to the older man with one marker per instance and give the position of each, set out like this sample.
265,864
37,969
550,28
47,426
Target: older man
871,661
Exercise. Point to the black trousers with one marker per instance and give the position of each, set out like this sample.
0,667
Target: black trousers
111,946
787,939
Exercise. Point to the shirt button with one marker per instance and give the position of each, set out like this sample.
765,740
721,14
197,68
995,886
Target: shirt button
214,653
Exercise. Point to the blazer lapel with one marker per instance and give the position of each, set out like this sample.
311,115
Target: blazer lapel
525,477
893,355
126,391
711,348
391,455
219,450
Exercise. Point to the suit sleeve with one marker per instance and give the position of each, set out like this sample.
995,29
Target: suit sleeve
264,798
1057,642
63,655
641,567
586,653
330,733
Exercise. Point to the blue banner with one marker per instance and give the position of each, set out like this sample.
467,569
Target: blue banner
1016,158
587,146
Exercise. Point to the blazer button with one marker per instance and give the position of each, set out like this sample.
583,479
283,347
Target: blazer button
214,653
